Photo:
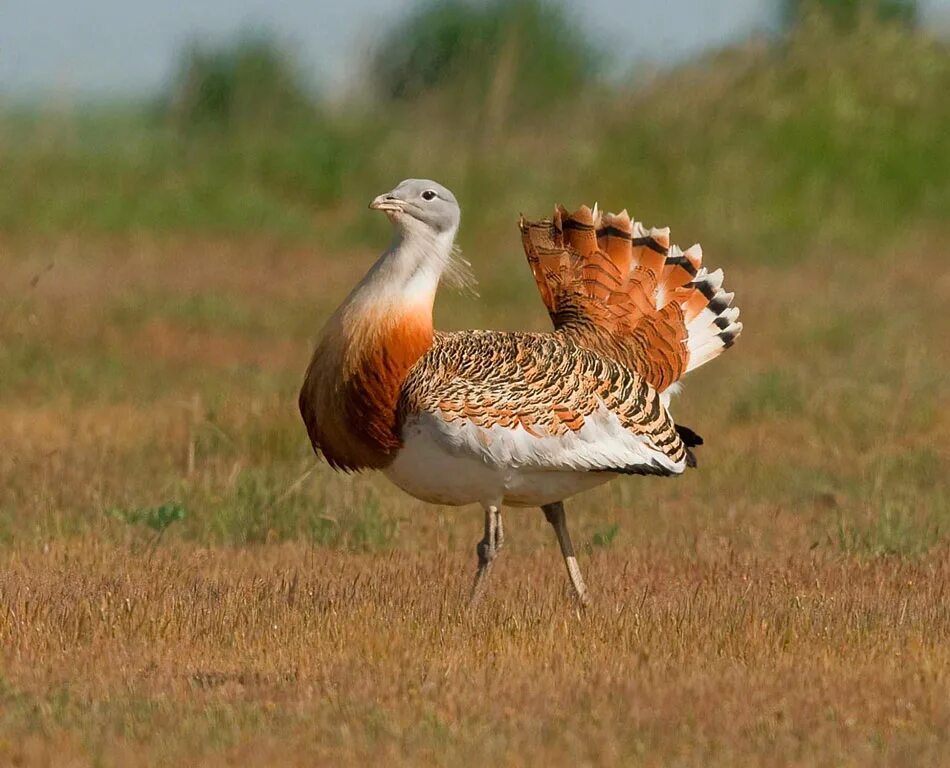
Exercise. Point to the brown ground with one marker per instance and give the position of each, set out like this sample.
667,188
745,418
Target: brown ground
788,603
293,655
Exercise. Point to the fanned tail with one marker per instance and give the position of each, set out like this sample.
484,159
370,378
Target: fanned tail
624,290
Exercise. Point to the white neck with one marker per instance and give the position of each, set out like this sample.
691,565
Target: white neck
408,273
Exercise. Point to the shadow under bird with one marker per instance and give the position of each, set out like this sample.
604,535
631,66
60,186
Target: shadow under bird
507,418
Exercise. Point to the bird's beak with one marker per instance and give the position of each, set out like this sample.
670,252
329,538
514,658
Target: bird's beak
386,203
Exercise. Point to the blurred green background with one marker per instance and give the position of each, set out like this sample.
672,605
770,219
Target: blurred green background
828,127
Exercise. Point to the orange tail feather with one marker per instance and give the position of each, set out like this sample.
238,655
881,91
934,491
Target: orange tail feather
623,290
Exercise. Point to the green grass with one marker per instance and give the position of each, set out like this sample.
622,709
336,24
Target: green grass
124,171
828,138
770,394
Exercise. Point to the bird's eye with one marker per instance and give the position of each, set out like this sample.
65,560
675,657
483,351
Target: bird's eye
429,195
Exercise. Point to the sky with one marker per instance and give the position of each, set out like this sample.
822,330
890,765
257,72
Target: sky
116,48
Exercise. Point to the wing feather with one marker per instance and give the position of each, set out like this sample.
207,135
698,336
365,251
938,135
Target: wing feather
541,401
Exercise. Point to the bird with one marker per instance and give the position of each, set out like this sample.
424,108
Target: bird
509,418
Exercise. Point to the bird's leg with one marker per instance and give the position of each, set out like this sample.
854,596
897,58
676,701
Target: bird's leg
487,549
555,516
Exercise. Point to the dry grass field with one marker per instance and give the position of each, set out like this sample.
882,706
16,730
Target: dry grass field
295,655
788,603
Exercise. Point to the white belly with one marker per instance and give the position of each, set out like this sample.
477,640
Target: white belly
424,469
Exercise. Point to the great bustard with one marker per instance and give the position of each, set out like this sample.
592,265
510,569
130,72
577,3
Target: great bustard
523,419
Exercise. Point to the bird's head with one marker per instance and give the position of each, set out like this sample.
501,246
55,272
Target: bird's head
420,205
